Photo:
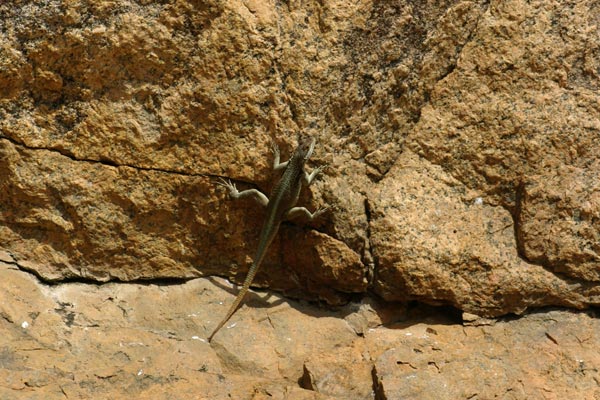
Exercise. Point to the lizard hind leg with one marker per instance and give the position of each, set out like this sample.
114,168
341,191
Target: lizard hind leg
296,212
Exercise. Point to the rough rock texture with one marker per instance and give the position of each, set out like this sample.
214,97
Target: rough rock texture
518,120
463,144
559,218
434,258
81,341
462,139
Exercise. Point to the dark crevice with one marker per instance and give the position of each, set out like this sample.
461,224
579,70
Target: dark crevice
305,382
377,387
102,160
164,281
368,258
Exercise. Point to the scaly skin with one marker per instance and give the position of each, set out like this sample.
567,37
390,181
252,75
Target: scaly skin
280,206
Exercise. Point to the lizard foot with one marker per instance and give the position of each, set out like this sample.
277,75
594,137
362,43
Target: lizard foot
230,186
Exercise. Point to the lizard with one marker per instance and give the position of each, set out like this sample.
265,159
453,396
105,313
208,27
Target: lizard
280,206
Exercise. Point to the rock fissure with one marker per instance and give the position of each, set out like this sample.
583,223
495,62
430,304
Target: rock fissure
93,282
107,162
368,258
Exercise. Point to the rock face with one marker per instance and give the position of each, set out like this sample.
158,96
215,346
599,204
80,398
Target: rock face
425,252
463,147
462,140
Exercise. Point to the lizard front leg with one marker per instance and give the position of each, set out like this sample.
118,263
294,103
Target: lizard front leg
308,178
234,193
276,164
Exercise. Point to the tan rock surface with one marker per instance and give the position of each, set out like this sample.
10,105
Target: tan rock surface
535,357
425,252
517,120
559,214
79,341
463,150
116,120
119,340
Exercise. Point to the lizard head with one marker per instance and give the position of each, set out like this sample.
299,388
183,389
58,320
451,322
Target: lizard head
306,145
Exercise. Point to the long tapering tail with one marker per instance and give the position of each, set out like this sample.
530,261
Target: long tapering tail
238,300
267,234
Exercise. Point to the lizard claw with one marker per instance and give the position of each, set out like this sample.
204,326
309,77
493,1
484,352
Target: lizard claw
321,168
275,148
321,211
308,178
227,184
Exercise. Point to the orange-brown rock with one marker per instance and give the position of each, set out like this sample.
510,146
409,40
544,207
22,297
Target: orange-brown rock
463,147
115,340
113,131
424,250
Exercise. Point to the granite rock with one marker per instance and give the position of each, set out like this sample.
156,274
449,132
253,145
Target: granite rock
116,120
462,147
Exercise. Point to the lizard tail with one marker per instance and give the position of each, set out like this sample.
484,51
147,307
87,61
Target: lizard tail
238,300
268,232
